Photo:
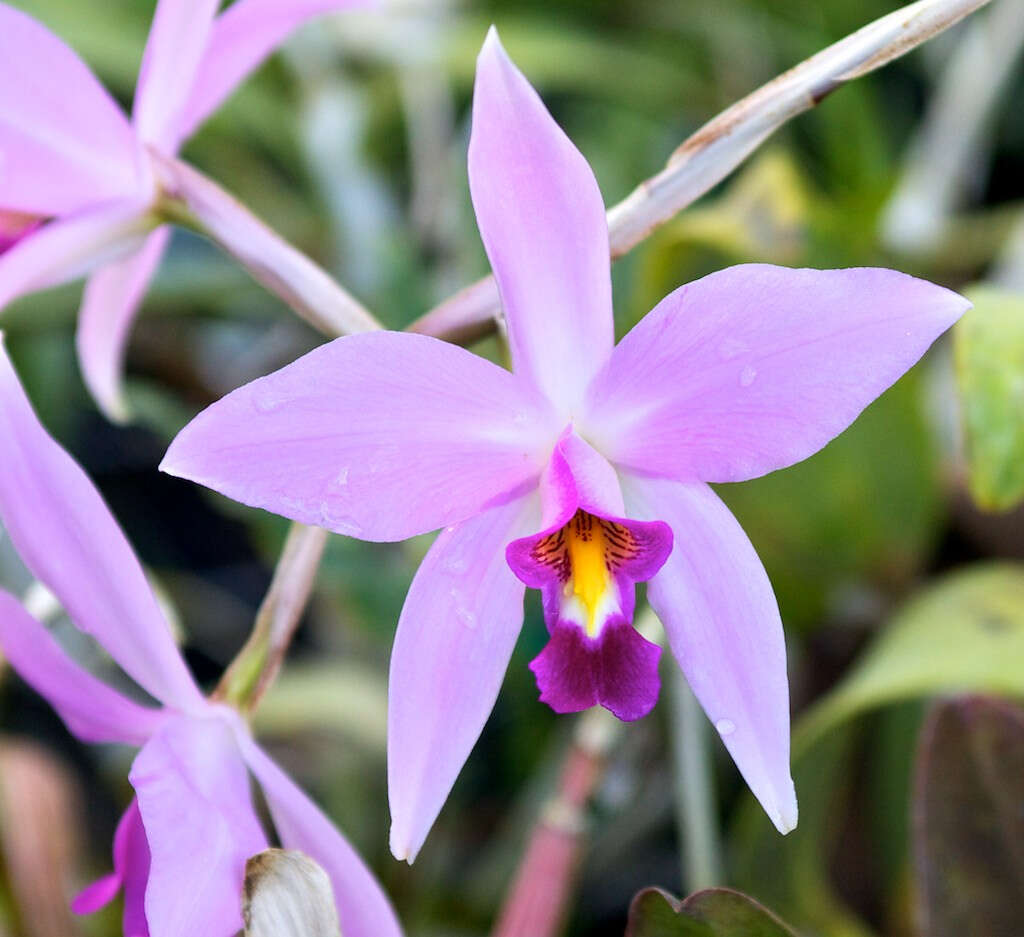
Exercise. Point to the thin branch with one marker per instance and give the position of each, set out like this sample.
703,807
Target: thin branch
708,156
191,199
257,663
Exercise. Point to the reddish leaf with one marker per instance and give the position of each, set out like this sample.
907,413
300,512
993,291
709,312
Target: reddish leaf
969,820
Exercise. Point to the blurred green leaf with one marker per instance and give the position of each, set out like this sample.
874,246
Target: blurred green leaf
969,822
989,343
716,912
330,696
964,634
791,872
763,214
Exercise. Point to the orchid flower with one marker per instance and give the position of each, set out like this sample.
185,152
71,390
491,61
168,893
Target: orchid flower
181,847
70,156
579,474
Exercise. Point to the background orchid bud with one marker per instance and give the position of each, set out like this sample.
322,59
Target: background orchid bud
288,895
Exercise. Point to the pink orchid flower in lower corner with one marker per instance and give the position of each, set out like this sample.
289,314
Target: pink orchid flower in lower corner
181,847
75,168
581,473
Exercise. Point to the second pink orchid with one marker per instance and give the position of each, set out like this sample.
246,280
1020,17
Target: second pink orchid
72,159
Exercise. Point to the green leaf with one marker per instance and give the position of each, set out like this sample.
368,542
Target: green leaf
989,348
337,696
763,214
715,912
798,883
969,823
964,634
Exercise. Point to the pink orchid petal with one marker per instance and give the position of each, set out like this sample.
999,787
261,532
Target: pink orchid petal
67,537
68,248
723,625
92,710
97,895
112,298
378,436
756,367
131,872
132,859
177,42
543,223
64,142
193,791
241,38
363,908
455,637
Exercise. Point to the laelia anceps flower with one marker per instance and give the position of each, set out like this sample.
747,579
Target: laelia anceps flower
69,155
181,847
581,473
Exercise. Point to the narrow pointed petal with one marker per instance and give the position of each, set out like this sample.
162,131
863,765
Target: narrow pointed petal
177,42
64,142
112,298
241,38
723,625
363,908
756,367
131,872
378,436
193,792
543,223
455,637
92,710
68,248
67,537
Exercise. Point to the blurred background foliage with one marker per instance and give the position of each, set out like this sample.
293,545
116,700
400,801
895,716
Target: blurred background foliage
894,552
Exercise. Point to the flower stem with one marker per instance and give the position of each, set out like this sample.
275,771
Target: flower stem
700,849
192,200
257,663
